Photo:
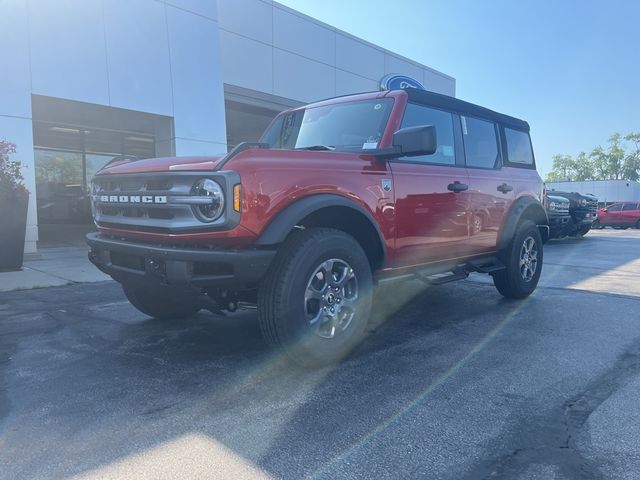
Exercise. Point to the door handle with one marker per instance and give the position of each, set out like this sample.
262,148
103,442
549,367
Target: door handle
504,188
457,187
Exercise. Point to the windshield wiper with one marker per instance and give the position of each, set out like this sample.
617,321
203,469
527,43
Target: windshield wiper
316,147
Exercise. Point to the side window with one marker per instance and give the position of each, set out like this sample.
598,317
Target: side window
518,147
615,208
415,115
629,206
480,143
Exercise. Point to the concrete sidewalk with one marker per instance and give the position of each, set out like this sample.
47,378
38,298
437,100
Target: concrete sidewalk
53,267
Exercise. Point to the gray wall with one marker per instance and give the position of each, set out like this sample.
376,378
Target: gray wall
606,190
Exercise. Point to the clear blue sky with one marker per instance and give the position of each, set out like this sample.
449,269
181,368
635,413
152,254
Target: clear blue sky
570,68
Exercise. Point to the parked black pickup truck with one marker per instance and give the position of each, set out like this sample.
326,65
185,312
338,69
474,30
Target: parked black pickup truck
582,210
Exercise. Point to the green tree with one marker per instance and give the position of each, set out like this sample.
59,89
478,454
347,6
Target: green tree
615,157
631,164
561,169
583,167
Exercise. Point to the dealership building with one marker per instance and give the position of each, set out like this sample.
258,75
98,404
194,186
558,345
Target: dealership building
85,81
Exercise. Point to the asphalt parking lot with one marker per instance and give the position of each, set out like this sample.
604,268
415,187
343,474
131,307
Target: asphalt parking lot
452,382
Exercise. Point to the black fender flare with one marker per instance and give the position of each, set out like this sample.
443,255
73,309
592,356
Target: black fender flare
278,229
528,206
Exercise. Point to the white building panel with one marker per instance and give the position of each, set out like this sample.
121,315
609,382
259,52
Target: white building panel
138,55
437,82
68,55
205,8
353,55
15,83
348,83
607,191
246,63
300,34
254,18
195,69
300,78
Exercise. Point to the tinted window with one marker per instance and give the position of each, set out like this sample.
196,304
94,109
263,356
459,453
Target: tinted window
615,208
416,115
480,143
630,206
518,147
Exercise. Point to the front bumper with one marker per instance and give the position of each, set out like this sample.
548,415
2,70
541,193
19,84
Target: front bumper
558,225
127,261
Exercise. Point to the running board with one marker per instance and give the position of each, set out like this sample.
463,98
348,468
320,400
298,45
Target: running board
441,278
489,268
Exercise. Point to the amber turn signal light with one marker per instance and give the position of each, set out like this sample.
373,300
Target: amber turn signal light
236,198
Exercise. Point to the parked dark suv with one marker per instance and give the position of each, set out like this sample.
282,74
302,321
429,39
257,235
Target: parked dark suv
337,196
619,215
582,210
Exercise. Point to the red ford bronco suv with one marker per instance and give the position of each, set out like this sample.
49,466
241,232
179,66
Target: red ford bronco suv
337,196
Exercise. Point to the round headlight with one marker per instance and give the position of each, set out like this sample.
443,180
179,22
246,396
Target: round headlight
583,202
213,200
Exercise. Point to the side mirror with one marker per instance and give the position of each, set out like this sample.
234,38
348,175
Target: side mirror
414,141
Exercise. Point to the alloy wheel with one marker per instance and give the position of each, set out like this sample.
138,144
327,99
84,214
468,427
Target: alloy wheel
330,297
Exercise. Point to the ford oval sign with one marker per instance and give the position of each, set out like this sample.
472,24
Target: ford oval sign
396,81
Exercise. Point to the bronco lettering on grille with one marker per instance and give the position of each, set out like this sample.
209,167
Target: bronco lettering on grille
134,199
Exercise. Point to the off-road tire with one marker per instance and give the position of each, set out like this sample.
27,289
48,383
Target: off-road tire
583,231
161,303
282,308
510,282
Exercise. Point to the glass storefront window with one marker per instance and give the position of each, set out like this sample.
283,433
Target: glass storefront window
95,162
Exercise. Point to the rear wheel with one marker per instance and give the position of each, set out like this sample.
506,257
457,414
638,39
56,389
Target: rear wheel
523,261
161,302
315,301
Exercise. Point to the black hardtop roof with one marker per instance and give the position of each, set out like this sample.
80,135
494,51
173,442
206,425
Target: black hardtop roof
464,108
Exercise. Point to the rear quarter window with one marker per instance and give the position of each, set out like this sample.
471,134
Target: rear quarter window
519,150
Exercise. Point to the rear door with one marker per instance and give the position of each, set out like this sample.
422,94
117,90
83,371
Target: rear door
491,188
629,213
431,208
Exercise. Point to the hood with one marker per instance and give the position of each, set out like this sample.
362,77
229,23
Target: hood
163,164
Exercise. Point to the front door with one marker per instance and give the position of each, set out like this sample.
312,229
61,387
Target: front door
431,208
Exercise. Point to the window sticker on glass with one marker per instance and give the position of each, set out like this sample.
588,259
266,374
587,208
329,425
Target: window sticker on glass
447,150
369,145
377,106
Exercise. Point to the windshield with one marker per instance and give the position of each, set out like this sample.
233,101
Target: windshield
342,126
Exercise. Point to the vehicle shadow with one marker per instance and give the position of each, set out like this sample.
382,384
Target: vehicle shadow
105,384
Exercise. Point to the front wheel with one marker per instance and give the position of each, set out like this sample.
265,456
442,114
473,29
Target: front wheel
161,302
523,261
597,225
583,231
315,301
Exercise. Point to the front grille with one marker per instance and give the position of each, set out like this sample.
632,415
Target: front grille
157,202
564,211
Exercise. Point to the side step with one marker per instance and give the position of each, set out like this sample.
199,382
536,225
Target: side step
493,267
441,278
